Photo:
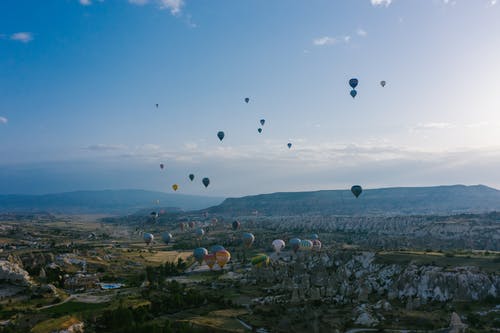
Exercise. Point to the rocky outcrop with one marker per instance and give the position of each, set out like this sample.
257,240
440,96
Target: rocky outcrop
12,273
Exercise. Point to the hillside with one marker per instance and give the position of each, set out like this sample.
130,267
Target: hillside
103,202
385,201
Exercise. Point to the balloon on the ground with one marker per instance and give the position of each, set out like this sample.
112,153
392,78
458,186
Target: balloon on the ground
216,248
199,254
236,225
314,236
148,238
295,244
278,245
192,224
260,259
248,239
356,190
199,233
210,259
222,257
305,245
166,237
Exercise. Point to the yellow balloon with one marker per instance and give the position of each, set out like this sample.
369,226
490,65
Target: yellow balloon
175,187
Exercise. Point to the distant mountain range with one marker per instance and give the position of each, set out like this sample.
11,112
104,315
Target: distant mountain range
386,201
103,202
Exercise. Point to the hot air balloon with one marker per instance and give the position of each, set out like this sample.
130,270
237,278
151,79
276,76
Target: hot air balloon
205,181
199,233
210,259
316,245
175,187
162,166
262,122
289,144
314,236
295,244
247,99
148,238
214,221
216,248
166,237
191,177
220,135
382,83
259,260
356,190
259,130
236,225
222,257
248,239
157,105
353,83
154,215
182,226
353,93
305,245
199,254
278,245
192,224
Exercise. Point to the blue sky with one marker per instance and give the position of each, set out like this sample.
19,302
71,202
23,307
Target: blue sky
79,80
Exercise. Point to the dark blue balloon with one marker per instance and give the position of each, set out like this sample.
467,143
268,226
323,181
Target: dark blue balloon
353,93
353,83
220,135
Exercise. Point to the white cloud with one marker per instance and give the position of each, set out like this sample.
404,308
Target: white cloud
321,41
85,2
478,124
381,2
138,2
24,37
3,120
175,6
104,147
436,125
493,2
347,39
361,32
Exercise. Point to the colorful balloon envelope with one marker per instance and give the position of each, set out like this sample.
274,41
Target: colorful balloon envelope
192,224
222,257
175,187
166,237
214,221
278,245
199,254
182,226
216,248
148,238
356,190
210,259
316,245
314,236
259,260
305,245
295,244
248,239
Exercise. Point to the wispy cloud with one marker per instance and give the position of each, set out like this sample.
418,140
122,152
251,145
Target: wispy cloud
138,2
23,37
104,147
85,2
3,120
325,40
433,126
175,6
361,32
381,2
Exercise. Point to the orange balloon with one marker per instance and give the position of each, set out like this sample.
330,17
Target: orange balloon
222,257
210,260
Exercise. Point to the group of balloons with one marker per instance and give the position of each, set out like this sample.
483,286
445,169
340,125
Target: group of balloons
205,181
354,83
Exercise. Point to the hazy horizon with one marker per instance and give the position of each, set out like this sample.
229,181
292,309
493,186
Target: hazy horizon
80,80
